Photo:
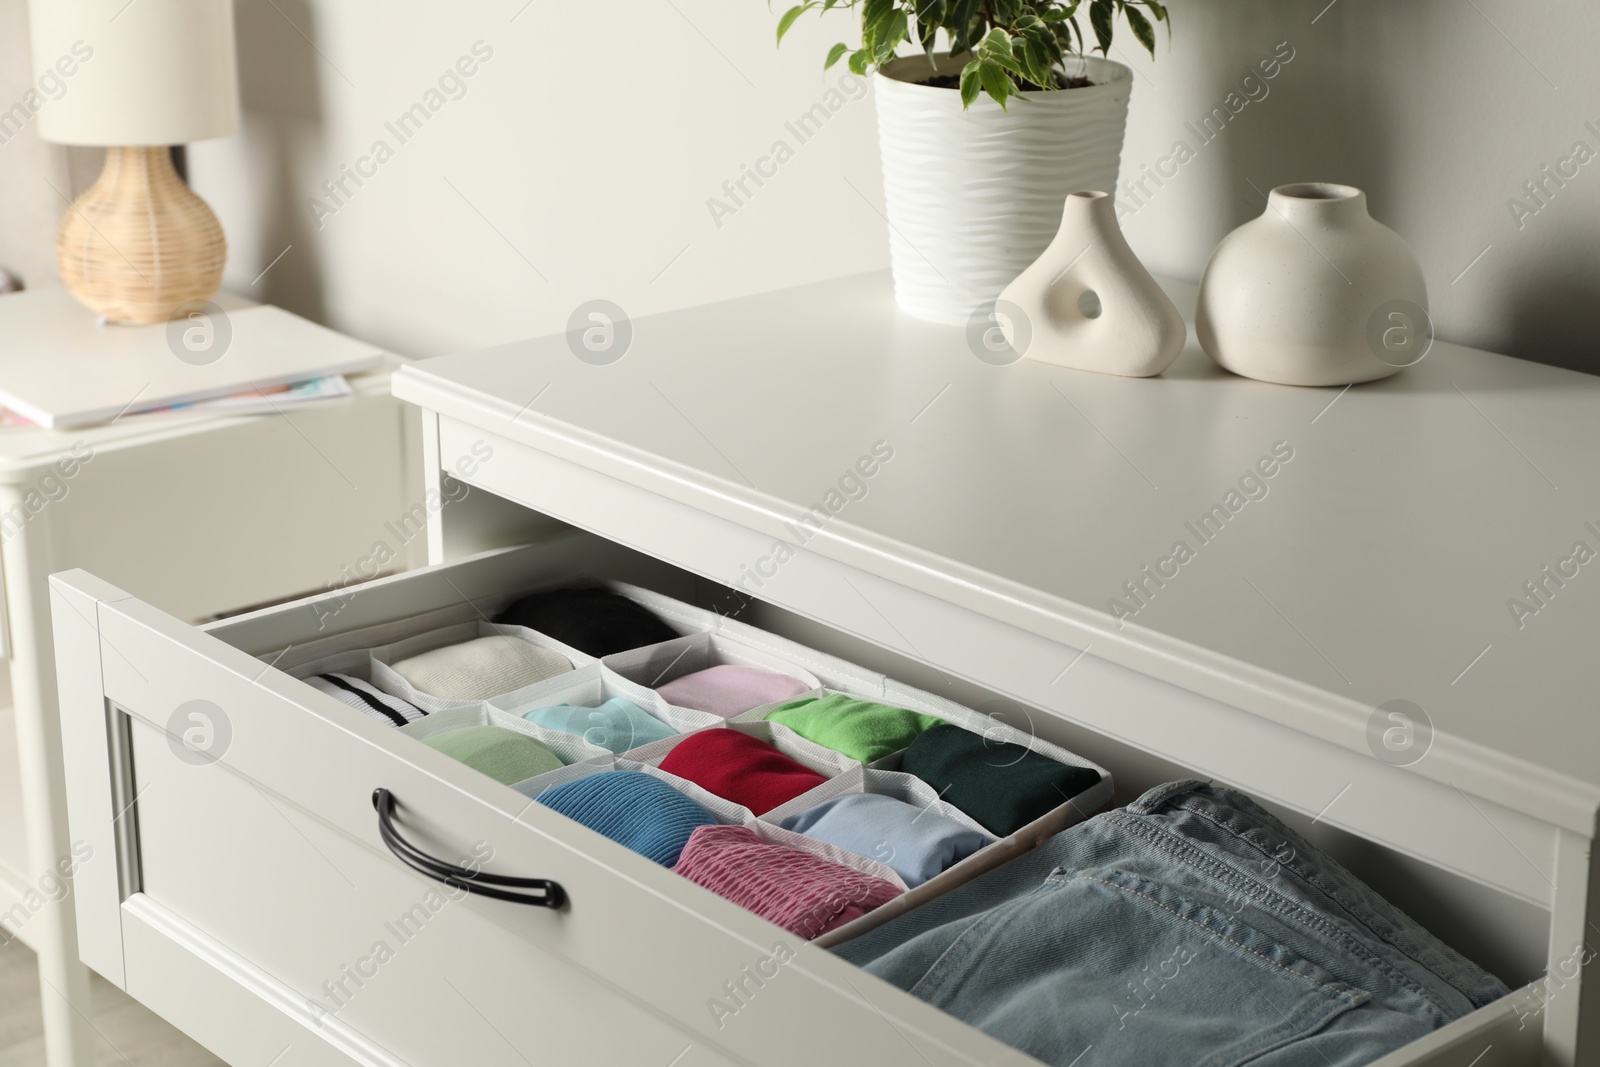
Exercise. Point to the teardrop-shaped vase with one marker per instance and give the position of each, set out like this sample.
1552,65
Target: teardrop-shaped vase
1088,303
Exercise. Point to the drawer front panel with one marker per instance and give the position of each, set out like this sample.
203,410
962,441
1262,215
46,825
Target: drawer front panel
273,851
364,941
231,1008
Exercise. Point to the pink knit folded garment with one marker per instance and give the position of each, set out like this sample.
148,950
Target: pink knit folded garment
801,892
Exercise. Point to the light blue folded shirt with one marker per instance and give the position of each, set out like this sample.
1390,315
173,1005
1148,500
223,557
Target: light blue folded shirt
915,842
618,724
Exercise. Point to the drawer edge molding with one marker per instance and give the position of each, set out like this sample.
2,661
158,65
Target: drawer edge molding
145,918
1496,1035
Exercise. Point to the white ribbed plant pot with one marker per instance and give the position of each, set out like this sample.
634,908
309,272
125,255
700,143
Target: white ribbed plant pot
974,196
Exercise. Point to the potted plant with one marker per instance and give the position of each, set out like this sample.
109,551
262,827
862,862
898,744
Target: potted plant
984,138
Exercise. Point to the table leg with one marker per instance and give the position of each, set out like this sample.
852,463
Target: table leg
63,979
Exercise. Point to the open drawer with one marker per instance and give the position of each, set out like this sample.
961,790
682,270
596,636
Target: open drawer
245,894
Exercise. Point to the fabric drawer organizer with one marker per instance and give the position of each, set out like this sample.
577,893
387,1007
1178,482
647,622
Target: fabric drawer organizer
683,667
709,642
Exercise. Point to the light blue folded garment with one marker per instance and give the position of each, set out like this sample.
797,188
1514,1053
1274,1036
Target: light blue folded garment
915,842
618,724
633,809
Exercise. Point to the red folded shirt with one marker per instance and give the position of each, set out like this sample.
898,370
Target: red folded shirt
740,768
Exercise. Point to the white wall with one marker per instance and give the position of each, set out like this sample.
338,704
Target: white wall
1440,109
585,149
577,165
34,176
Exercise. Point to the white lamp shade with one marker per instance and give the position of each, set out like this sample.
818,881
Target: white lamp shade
134,72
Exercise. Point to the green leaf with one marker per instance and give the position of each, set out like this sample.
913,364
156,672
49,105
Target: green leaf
927,36
872,13
996,81
835,53
971,85
959,24
889,36
996,48
859,60
997,41
1160,13
1100,13
1036,62
1142,29
790,15
873,10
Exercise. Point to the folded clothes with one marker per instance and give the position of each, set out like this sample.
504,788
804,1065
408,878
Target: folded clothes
1003,786
801,892
504,755
617,724
594,621
861,729
740,768
728,690
369,701
633,809
1188,927
916,842
481,668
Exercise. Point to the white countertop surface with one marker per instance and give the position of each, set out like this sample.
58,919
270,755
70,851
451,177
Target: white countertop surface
1378,565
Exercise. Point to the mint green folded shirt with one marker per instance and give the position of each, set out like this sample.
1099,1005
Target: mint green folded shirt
504,755
861,729
618,724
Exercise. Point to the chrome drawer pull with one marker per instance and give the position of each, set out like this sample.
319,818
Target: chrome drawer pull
547,894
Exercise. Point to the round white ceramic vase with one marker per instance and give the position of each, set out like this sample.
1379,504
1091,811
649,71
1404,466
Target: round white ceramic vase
973,196
1314,292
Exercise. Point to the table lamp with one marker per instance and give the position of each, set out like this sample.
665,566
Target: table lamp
137,76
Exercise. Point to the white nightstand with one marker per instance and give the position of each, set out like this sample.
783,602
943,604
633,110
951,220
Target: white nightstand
205,515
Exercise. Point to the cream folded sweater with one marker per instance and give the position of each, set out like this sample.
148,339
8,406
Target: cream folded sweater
482,668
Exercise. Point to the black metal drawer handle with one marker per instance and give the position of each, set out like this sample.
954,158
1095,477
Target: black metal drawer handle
547,894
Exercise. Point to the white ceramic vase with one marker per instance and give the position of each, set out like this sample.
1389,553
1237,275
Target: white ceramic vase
1088,303
1314,292
972,197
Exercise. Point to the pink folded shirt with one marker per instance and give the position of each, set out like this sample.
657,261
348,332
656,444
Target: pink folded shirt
801,892
728,690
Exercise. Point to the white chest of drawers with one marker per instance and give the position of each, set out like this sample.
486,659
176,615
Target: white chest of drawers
1008,535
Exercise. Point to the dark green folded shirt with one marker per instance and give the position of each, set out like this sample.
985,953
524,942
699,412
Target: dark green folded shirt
1004,786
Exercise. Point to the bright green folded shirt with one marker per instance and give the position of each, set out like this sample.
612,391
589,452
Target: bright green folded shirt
861,729
504,755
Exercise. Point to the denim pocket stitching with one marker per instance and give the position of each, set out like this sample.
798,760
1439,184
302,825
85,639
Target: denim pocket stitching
1353,907
1353,997
1280,905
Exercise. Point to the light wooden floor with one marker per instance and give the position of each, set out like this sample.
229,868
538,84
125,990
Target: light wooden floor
127,1034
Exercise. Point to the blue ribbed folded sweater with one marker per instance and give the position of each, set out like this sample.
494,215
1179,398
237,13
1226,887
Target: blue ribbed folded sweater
633,809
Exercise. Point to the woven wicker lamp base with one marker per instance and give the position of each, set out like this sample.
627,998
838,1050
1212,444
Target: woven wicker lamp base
139,245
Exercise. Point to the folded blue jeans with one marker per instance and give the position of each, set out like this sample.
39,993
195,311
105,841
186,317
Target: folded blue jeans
1191,927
